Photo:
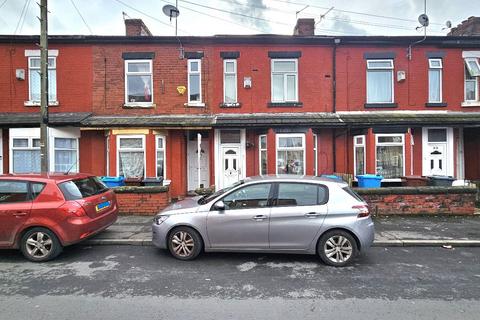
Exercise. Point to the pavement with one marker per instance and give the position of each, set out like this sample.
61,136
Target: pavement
390,231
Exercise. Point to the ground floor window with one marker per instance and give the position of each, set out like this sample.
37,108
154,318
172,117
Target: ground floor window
66,158
262,149
390,155
291,154
25,155
131,156
359,155
315,154
160,146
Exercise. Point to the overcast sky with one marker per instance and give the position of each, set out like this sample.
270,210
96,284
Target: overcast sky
209,17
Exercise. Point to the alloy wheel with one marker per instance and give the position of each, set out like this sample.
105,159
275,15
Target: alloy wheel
338,249
183,244
39,245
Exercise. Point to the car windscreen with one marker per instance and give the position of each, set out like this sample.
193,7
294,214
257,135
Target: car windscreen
208,198
353,194
82,188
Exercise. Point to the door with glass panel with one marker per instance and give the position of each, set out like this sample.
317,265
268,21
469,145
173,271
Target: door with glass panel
230,165
436,155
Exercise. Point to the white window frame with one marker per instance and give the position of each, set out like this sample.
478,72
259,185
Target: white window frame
225,73
315,154
359,145
133,73
372,68
390,144
469,68
260,149
75,168
131,150
475,80
199,72
289,135
37,69
285,75
29,147
431,66
164,150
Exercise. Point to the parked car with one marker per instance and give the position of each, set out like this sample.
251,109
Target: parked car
288,214
42,213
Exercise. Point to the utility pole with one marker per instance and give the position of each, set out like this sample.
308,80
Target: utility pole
43,86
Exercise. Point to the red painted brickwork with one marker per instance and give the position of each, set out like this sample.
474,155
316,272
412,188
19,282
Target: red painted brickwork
462,203
147,204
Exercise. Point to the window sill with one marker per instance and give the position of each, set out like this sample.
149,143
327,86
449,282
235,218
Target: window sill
195,104
37,104
435,104
380,105
139,106
471,104
287,104
230,105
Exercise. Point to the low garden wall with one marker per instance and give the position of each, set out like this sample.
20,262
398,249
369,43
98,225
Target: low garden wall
146,201
420,200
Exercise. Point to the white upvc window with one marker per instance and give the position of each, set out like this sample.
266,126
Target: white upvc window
472,72
434,80
380,81
473,66
284,80
131,156
161,170
290,153
66,154
230,81
34,81
25,153
359,155
138,82
315,154
262,152
390,155
195,81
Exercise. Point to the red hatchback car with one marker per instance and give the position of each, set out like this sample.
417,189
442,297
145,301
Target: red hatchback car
42,213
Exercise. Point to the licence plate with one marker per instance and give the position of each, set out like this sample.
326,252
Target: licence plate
103,205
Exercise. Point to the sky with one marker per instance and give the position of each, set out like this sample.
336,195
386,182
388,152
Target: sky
210,17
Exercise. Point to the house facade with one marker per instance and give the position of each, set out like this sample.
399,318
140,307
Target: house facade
201,111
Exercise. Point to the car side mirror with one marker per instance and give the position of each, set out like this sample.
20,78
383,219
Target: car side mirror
219,206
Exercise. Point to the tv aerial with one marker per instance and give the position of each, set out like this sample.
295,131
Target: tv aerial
423,19
172,12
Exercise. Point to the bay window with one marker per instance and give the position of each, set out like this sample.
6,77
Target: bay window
359,155
230,81
379,81
195,81
262,150
434,80
160,156
131,156
291,154
390,155
25,155
66,156
284,80
138,82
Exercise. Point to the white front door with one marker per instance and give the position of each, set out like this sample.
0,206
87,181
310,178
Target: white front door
192,162
231,171
437,151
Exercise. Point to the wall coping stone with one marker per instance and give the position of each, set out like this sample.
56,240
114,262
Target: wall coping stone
144,189
416,190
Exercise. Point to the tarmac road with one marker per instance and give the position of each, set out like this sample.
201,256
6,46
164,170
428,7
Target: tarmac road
135,282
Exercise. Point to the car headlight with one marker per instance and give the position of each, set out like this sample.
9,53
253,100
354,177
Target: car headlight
160,219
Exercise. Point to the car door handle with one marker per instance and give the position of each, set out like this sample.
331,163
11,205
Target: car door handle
19,214
259,217
312,214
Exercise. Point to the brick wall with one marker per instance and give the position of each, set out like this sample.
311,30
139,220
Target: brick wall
420,200
146,201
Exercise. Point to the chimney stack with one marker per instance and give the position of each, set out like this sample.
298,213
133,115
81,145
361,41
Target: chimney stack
469,27
136,28
304,27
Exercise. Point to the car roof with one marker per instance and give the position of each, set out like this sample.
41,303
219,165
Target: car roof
293,178
58,177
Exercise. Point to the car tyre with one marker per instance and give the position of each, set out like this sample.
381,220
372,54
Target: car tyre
40,244
337,248
185,243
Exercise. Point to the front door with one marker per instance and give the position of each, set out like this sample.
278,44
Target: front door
231,171
15,207
192,156
437,159
438,152
244,222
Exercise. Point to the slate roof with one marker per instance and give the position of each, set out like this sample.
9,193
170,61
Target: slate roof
18,119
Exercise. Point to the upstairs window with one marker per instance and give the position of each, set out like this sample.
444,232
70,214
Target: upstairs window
435,80
138,82
35,82
284,80
195,81
230,81
379,81
472,72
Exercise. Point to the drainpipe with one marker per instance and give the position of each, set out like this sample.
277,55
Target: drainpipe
334,100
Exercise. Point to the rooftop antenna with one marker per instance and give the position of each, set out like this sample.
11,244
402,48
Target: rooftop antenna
297,12
125,15
322,16
172,12
448,25
424,21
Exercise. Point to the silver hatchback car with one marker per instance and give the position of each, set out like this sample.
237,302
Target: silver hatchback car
283,214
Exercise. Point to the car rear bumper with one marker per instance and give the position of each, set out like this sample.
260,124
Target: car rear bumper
365,230
77,229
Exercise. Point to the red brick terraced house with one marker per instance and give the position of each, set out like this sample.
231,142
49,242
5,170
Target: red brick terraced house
146,106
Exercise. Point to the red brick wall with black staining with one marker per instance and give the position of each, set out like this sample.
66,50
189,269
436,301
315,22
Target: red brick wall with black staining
147,204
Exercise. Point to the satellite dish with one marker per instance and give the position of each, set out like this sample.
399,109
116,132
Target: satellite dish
448,24
423,19
170,11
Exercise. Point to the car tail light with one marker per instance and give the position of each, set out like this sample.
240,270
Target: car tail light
362,210
73,208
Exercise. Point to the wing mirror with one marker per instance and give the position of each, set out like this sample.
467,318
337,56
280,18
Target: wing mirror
219,206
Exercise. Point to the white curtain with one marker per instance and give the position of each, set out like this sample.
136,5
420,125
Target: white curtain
434,85
131,164
379,85
26,161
